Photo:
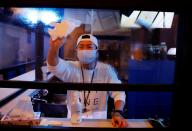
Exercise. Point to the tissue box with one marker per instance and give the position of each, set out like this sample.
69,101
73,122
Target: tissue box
6,120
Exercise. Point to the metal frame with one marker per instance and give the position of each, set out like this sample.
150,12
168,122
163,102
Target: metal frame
11,97
87,86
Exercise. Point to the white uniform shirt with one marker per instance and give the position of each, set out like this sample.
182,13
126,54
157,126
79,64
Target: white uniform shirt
70,71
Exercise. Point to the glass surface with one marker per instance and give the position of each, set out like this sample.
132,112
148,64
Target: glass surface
137,52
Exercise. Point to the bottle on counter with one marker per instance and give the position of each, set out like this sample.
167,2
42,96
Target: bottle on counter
148,51
76,109
137,51
163,49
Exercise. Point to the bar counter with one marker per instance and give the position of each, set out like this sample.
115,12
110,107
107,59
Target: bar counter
94,123
50,122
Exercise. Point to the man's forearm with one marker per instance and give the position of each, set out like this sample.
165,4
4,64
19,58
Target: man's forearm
118,119
119,105
53,57
55,45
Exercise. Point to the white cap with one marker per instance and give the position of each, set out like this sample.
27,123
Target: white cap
87,37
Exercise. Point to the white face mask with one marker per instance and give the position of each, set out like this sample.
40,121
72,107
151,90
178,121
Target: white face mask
86,56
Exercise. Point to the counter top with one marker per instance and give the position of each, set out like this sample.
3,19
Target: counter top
64,122
97,123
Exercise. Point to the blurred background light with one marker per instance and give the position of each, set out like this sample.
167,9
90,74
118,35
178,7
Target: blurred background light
172,51
34,15
147,19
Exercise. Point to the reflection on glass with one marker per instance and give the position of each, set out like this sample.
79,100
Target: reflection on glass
120,37
135,48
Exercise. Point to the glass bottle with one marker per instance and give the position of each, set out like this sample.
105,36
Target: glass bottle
76,109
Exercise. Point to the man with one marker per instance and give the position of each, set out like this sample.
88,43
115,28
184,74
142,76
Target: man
88,70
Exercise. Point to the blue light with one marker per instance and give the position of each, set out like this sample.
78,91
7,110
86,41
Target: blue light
31,16
48,16
34,15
